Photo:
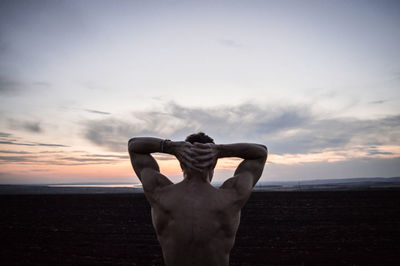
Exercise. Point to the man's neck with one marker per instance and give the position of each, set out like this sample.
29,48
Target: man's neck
197,177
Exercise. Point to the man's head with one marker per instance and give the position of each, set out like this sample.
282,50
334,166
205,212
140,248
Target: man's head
199,137
204,139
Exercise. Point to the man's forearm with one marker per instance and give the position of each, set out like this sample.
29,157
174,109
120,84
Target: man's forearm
146,145
248,151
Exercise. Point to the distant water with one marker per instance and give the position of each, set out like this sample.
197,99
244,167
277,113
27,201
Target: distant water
105,188
98,185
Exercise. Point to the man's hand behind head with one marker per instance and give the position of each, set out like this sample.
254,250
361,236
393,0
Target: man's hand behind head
183,151
206,155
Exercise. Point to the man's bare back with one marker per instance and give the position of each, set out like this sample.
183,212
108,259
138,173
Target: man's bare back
195,222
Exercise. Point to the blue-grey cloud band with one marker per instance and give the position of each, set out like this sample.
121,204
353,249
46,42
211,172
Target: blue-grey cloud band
290,129
58,158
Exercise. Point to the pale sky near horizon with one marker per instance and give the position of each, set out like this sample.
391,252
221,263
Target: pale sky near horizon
315,81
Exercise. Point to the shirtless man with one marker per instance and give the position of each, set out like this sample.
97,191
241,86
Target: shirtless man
195,222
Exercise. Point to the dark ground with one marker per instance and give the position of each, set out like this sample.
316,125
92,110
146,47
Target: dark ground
277,228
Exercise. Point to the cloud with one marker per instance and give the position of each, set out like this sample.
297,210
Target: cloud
93,158
97,112
50,145
89,159
9,87
289,129
85,160
30,126
377,102
3,47
16,143
4,135
374,151
353,167
53,157
230,43
108,156
41,84
339,134
9,142
14,159
31,158
14,152
396,76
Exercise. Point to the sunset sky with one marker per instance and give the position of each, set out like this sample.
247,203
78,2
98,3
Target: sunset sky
318,82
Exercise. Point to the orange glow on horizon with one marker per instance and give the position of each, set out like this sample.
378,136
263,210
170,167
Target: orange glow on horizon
121,168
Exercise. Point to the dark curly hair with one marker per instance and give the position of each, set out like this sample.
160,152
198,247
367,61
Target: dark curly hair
199,137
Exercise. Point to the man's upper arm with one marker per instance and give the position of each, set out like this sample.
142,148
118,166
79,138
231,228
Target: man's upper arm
142,161
251,170
246,176
148,171
151,180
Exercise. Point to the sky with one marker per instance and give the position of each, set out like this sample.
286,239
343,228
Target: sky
317,82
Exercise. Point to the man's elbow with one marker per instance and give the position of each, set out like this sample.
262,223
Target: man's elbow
264,152
130,144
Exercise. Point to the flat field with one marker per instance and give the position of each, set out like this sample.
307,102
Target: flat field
277,228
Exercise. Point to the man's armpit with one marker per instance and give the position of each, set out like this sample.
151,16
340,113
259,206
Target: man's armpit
149,179
163,180
242,186
244,183
229,183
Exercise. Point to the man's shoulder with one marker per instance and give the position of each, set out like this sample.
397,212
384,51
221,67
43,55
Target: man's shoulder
152,180
239,186
240,182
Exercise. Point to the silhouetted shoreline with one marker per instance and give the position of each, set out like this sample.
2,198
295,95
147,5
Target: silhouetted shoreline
307,185
46,190
277,228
